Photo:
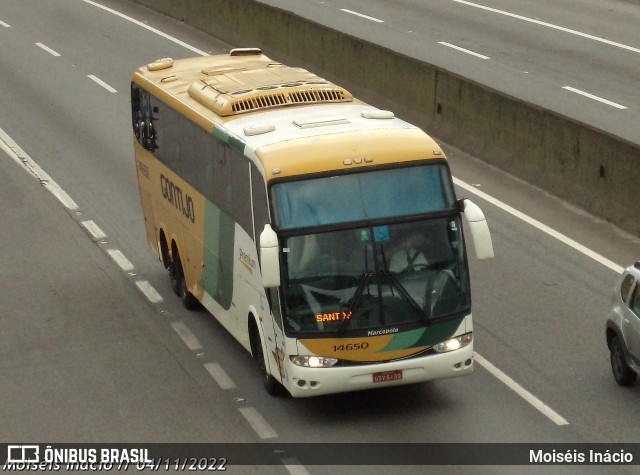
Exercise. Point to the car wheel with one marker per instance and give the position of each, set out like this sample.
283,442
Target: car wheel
622,373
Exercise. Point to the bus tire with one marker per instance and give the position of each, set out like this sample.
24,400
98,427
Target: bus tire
175,269
187,298
271,384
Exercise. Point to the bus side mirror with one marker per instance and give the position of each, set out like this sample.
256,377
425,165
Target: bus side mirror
479,229
269,258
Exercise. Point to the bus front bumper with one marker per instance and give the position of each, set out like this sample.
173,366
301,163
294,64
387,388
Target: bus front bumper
307,382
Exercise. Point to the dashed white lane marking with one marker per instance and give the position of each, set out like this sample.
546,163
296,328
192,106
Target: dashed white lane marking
468,51
100,82
220,376
6,25
294,467
120,259
542,227
21,158
93,229
522,392
367,17
48,50
187,337
258,423
551,25
595,98
147,289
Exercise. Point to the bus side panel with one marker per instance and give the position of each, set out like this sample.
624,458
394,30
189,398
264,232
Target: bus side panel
146,200
217,278
219,237
172,205
250,298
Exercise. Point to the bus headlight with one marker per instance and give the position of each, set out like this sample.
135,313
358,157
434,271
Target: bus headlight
454,343
313,361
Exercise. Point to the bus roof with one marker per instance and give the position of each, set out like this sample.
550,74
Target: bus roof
287,118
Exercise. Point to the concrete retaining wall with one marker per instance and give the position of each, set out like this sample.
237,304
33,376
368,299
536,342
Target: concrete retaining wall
587,167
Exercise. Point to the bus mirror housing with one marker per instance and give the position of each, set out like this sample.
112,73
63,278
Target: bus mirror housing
479,229
269,258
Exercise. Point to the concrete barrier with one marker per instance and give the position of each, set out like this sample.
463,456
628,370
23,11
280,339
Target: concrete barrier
578,163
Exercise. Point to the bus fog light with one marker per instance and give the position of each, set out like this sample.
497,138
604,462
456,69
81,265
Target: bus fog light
313,361
454,343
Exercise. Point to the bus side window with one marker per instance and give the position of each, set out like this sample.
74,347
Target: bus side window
274,305
240,191
136,112
144,125
142,118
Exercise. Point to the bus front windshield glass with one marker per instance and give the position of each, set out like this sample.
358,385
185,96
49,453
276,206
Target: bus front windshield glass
372,277
363,276
360,196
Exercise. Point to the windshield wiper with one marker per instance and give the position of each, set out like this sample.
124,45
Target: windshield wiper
405,295
355,298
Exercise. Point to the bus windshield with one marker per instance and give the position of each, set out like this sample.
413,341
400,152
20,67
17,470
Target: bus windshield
372,277
367,195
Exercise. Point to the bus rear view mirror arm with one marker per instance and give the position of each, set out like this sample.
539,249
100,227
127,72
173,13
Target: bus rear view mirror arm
269,258
479,229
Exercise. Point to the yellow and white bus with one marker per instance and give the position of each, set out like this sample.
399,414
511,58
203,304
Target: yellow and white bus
323,233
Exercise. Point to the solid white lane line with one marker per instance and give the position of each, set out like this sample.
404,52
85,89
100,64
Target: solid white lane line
147,289
220,376
25,161
187,337
120,259
468,51
362,16
147,27
99,81
6,25
47,49
522,392
551,25
595,98
258,423
93,229
542,227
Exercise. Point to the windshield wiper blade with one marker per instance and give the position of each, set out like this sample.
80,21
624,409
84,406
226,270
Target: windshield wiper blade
355,298
405,295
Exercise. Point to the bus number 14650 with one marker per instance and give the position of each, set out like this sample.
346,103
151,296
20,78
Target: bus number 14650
351,346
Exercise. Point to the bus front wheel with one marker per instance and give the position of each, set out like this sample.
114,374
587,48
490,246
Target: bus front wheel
273,387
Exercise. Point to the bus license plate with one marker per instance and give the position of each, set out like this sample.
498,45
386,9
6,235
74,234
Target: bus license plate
394,375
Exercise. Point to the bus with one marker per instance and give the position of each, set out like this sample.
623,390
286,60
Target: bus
323,234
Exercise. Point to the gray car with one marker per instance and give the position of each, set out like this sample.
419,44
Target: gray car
623,327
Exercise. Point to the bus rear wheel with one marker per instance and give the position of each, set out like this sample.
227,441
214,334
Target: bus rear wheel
271,384
174,265
179,284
